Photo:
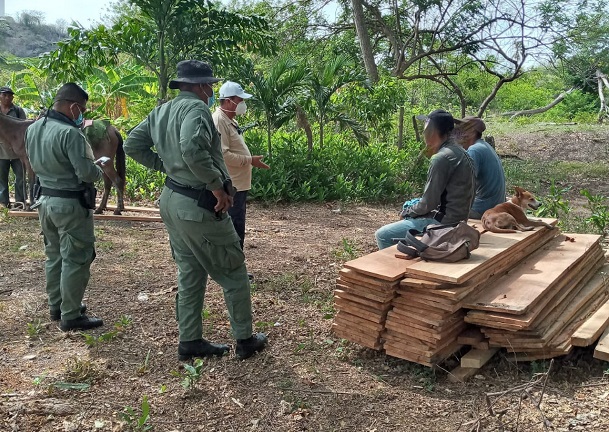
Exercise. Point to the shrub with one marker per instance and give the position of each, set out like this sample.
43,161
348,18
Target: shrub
340,171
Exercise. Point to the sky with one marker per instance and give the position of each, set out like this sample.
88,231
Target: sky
86,12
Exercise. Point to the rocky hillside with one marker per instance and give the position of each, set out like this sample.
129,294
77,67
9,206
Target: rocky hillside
28,36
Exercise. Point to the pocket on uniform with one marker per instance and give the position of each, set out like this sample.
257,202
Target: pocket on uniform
61,209
79,251
222,245
193,216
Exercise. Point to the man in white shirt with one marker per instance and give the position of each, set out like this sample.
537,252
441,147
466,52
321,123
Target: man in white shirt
237,156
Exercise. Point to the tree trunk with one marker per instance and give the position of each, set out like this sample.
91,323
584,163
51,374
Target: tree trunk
552,104
603,110
401,128
268,137
364,41
321,135
303,123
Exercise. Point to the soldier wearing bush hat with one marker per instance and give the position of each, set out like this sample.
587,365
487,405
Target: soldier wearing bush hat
197,194
8,158
450,186
63,161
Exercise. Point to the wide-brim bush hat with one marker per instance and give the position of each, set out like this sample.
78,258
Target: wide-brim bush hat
193,72
6,89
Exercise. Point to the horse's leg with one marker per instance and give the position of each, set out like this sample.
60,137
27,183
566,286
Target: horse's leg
120,191
31,181
104,201
121,168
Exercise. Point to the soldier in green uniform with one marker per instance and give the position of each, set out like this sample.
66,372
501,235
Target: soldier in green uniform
193,204
63,161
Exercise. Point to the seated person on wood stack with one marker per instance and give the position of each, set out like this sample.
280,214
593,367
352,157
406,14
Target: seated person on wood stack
490,178
449,190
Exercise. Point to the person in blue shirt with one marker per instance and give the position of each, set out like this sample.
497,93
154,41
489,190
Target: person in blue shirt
490,178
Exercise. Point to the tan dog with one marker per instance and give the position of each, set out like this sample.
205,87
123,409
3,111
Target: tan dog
510,216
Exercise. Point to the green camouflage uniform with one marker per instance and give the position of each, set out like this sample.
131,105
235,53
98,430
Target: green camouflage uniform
188,150
63,160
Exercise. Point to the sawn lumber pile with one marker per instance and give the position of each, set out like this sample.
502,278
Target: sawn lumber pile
536,308
528,291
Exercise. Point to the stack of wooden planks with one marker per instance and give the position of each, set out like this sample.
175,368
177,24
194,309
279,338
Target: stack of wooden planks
535,309
428,316
364,291
536,293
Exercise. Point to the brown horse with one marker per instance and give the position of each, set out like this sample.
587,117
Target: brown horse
109,144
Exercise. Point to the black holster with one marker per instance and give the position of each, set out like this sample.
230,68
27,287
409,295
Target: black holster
205,198
89,193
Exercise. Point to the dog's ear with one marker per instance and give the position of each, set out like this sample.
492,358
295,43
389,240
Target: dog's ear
519,191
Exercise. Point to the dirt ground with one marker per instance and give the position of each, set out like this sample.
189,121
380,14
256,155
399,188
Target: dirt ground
307,379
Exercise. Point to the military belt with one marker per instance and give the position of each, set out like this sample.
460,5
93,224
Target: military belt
60,193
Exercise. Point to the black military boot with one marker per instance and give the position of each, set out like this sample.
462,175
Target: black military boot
248,347
56,315
200,348
83,322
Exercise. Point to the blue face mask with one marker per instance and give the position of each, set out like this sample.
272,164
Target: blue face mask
78,120
211,100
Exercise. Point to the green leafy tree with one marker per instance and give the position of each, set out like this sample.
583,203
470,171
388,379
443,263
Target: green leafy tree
275,92
324,83
112,86
157,34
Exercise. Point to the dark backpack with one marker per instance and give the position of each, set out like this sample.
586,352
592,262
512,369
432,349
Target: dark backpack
446,243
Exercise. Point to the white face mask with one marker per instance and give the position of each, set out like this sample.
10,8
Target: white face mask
241,108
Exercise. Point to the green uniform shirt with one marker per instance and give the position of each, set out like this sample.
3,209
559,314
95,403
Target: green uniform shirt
186,141
60,155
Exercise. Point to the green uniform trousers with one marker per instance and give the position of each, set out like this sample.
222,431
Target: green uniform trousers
69,244
201,245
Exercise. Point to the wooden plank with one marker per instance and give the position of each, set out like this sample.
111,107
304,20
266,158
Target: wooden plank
477,358
381,264
358,339
33,214
361,300
358,321
365,291
483,345
591,330
601,351
461,374
136,209
361,311
367,280
492,248
470,336
520,289
519,322
490,275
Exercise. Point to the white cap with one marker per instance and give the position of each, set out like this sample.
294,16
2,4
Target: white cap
230,89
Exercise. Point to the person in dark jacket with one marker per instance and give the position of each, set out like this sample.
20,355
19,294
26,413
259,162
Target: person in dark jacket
8,158
450,187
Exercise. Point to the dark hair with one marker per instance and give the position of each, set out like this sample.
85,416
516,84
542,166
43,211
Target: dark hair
441,121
